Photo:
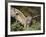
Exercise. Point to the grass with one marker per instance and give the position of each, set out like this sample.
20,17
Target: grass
19,27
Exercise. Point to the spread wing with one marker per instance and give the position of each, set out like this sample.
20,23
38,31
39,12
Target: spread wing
20,16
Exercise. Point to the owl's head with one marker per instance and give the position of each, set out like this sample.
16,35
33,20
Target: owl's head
15,12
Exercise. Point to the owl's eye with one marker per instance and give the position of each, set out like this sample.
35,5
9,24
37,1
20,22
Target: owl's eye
17,13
